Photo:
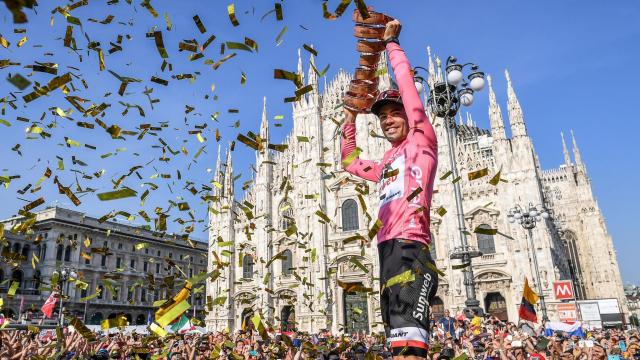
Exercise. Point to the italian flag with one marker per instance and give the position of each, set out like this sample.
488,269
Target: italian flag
182,325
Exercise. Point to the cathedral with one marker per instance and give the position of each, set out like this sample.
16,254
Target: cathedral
296,245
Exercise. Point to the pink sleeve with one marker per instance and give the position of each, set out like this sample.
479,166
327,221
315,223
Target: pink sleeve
365,169
421,132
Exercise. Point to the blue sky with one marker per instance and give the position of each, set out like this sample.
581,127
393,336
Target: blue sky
570,62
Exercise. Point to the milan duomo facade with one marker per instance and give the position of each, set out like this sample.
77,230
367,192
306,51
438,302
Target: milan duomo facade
291,247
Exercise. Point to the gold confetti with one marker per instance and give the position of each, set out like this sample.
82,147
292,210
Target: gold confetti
339,10
199,24
485,231
118,321
414,193
441,211
496,178
478,174
446,175
19,81
375,228
231,11
280,35
118,194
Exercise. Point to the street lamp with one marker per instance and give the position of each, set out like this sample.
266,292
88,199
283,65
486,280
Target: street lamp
445,98
528,219
63,276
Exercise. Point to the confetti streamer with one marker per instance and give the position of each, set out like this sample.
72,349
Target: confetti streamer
118,321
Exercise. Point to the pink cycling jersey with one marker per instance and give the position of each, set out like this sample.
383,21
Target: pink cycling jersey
407,171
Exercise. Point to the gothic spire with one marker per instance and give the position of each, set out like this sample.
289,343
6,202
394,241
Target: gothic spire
264,125
313,76
576,151
565,152
300,69
217,175
516,117
432,69
227,187
439,77
495,114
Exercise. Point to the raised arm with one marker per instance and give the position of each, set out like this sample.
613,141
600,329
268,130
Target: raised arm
351,161
421,132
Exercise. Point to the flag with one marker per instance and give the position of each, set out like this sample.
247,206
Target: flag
529,298
21,304
182,324
149,319
574,329
49,305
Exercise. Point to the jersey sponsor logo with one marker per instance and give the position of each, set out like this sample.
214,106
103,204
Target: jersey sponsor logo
416,172
392,188
409,333
423,300
399,334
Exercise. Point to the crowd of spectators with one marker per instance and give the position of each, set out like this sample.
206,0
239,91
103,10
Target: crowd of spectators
452,338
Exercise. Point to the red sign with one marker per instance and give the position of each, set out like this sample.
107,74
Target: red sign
567,313
563,290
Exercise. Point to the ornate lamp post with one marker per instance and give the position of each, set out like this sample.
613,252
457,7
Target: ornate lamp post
63,276
528,219
445,98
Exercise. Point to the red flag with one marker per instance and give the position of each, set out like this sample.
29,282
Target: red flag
49,305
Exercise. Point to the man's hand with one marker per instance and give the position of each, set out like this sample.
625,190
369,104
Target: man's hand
393,30
349,115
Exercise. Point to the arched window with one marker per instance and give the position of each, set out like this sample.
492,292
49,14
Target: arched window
16,248
287,262
43,252
437,307
573,258
101,292
143,295
247,267
349,215
486,243
25,251
17,276
67,253
37,279
286,215
59,252
432,248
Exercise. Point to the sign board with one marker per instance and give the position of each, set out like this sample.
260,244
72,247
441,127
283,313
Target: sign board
568,313
563,290
589,311
609,306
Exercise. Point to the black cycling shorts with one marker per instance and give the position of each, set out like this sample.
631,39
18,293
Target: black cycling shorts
407,286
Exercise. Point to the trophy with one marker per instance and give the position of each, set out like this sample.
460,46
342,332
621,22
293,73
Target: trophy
364,87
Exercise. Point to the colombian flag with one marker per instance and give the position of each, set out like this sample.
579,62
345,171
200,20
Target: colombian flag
529,298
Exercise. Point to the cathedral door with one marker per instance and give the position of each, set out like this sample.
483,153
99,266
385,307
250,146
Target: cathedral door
246,324
496,305
288,318
356,312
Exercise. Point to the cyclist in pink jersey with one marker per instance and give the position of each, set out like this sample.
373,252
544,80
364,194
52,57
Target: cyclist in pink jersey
405,179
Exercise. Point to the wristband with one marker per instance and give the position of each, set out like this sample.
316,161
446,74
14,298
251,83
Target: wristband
392,40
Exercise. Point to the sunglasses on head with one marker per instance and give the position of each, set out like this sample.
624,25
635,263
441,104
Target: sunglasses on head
389,94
